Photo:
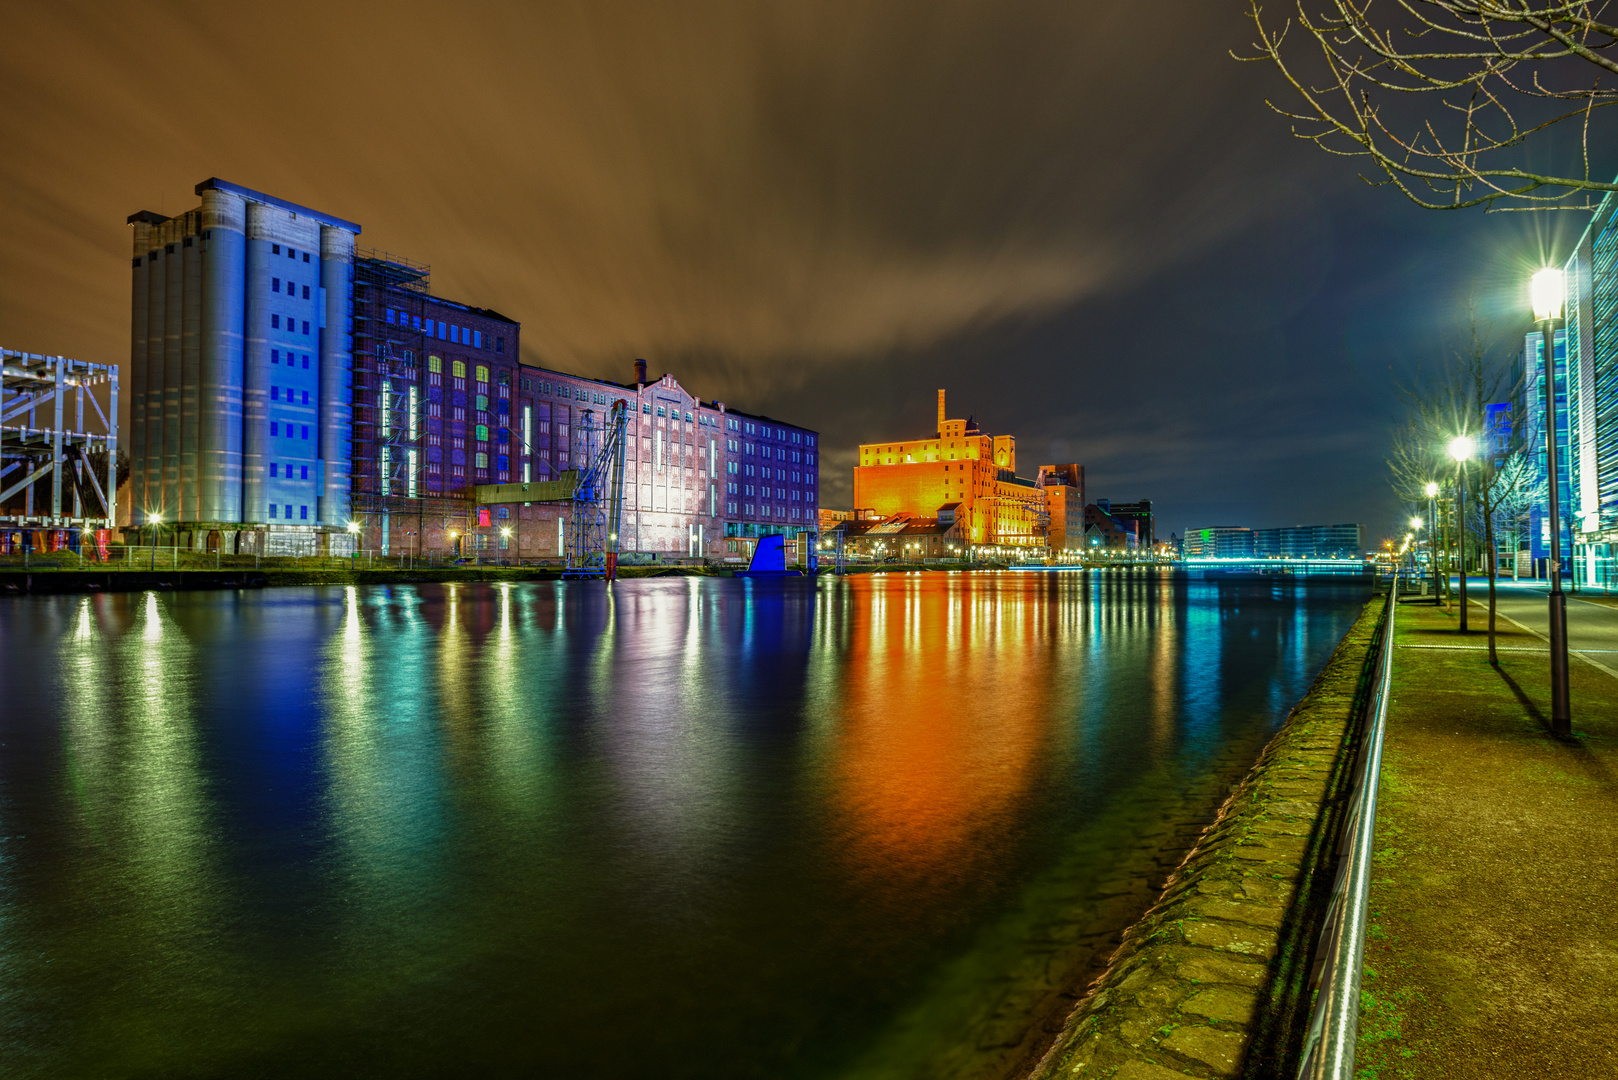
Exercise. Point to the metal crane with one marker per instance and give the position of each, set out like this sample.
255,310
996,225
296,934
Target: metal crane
598,495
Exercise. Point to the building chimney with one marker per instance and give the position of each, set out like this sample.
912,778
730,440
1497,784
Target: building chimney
640,372
941,412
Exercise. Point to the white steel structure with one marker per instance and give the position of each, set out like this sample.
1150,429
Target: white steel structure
52,425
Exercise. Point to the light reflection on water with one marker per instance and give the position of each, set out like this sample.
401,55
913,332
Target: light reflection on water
683,827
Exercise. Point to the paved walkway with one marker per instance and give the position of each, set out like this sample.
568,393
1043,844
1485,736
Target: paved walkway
1494,946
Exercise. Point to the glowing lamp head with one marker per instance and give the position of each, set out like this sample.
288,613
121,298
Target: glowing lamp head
1415,524
507,533
1431,489
354,527
1547,291
1463,447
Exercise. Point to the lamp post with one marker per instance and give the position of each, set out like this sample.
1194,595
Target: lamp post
1547,293
1432,534
157,521
1461,448
1415,528
354,552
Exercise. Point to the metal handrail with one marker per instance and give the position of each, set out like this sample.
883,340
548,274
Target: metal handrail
1328,1049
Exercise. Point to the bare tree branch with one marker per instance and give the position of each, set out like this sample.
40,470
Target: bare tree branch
1486,60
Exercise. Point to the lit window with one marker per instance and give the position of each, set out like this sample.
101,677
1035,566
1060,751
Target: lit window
483,432
435,363
458,368
483,373
482,460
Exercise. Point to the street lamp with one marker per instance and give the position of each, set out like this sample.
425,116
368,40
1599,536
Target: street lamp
1548,293
156,520
1461,448
1431,491
354,552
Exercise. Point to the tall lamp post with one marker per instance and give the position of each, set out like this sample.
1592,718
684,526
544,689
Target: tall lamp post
1461,448
1548,293
1432,534
1415,564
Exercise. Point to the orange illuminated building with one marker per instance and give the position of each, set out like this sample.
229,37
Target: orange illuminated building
977,473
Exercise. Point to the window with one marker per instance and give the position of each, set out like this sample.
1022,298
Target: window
458,369
504,463
275,322
483,373
303,473
306,292
306,327
275,249
275,284
391,315
483,402
646,407
306,397
305,430
272,470
275,393
455,334
273,509
483,432
292,253
303,513
306,256
477,339
482,460
435,363
441,329
500,344
274,428
275,356
662,411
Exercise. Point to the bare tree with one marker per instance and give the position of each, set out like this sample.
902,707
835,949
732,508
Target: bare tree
1499,74
1450,400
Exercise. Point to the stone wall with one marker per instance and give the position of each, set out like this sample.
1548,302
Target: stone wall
1213,980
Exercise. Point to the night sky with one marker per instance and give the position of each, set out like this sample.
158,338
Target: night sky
1080,219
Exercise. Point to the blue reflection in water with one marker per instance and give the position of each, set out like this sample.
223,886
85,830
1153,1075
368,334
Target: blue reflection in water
683,827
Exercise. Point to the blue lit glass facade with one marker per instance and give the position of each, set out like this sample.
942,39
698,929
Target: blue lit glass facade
1534,433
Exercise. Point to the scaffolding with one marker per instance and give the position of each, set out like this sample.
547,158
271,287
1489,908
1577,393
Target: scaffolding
598,496
389,462
44,434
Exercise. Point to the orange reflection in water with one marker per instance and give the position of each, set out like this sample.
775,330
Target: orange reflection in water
948,705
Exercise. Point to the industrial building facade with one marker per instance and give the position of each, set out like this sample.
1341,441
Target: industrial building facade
970,478
294,393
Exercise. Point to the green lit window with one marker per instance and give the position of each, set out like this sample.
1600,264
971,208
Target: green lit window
483,403
482,460
483,433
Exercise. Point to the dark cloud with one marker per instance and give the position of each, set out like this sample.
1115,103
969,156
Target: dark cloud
1078,216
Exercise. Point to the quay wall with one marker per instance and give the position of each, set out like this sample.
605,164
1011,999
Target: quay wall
1213,981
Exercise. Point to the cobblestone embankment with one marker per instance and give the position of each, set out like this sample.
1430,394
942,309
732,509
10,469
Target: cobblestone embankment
1213,980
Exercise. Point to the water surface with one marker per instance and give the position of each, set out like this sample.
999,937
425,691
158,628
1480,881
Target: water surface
679,827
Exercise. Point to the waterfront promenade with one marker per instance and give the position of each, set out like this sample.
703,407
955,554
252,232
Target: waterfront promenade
1492,951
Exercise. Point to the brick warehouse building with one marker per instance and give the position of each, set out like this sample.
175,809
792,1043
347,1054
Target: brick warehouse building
272,413
970,478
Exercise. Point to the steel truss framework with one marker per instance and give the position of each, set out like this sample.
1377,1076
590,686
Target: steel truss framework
44,433
598,497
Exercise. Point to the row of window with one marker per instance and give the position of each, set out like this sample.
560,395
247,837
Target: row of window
292,252
461,335
292,287
291,395
303,512
291,431
288,471
292,357
292,324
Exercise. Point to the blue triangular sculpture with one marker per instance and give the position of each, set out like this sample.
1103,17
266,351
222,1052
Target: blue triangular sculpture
769,560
